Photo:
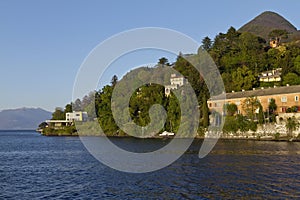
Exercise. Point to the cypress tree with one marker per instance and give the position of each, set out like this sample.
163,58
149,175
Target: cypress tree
205,112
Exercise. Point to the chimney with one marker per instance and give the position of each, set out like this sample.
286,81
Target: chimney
232,91
253,88
287,85
262,88
243,90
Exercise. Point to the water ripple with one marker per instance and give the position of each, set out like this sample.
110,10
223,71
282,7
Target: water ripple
36,167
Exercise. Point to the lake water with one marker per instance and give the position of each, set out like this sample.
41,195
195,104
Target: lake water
38,167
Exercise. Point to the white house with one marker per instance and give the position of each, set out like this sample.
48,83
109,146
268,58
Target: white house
76,116
176,81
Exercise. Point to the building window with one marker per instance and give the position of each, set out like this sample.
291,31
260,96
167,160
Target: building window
283,99
210,104
296,98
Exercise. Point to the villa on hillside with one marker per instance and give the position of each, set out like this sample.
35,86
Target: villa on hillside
274,42
285,97
271,76
176,81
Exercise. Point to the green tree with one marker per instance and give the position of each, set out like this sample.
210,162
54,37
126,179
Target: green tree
76,106
163,61
173,114
230,124
278,34
297,65
242,123
206,43
250,106
114,80
43,125
231,109
193,76
272,107
291,79
105,116
291,125
68,108
58,114
205,112
261,117
243,79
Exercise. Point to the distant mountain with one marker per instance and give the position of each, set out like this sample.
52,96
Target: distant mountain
264,23
22,118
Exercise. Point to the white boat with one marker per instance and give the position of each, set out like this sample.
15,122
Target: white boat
166,133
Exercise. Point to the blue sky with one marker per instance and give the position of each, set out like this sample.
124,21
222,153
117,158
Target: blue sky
43,43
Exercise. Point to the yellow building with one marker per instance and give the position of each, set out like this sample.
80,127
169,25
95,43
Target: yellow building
285,97
274,43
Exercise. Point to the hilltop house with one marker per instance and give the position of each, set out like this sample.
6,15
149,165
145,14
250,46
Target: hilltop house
271,76
176,81
274,43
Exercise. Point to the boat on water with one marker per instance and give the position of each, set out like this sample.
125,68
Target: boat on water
166,134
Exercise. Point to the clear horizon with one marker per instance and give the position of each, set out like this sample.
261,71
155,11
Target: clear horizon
44,43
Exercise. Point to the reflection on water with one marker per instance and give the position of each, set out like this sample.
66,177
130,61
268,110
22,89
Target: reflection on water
33,166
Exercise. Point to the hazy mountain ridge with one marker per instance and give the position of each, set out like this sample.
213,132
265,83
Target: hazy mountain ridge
22,118
267,21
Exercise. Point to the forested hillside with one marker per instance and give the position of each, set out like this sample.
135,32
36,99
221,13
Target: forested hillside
241,56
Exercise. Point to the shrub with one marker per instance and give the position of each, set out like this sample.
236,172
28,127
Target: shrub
277,136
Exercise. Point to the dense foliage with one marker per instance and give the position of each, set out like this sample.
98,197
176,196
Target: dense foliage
240,58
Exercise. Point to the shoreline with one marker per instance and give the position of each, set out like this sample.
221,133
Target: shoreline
283,139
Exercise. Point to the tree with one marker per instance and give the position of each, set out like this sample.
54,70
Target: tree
205,112
206,43
87,100
104,112
114,80
291,125
43,125
250,106
163,61
76,106
292,109
228,82
272,107
278,34
68,108
297,65
193,76
231,109
291,79
173,114
230,124
232,34
261,117
243,79
58,114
